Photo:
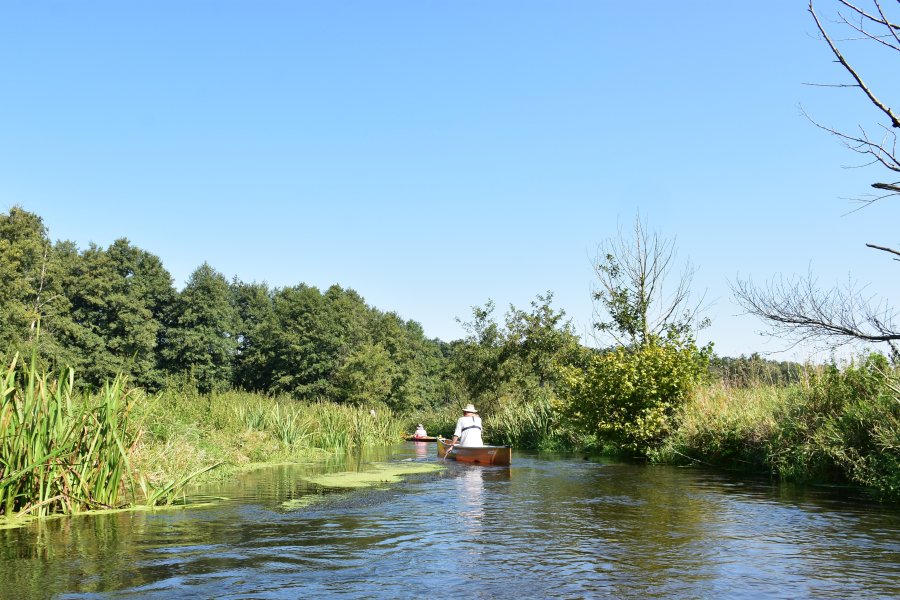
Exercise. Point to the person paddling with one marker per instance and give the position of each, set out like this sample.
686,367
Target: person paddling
420,432
468,428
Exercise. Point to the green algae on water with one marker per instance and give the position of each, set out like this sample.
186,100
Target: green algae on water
380,473
304,501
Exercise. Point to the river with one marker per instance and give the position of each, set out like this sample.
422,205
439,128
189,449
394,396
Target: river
550,526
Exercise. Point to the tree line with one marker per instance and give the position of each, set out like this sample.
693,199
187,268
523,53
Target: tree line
105,311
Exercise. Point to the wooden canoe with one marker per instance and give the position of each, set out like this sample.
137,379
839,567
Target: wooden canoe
427,438
482,455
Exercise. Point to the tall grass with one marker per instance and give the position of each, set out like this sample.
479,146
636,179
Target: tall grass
527,422
835,425
726,426
61,452
186,430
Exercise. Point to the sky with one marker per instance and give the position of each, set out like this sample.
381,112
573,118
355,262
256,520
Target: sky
434,155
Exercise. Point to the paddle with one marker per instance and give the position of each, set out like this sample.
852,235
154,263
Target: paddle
446,452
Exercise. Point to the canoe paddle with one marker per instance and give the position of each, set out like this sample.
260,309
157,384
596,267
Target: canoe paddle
448,451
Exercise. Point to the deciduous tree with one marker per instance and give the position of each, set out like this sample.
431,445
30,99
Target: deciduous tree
202,341
637,298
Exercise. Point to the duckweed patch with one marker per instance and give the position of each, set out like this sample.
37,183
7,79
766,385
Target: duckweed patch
303,501
379,473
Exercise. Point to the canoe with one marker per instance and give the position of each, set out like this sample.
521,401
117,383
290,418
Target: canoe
482,455
427,438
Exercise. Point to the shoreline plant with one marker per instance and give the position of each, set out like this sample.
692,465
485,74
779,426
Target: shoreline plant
836,425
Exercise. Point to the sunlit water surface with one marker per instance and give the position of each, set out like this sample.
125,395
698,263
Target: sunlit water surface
548,527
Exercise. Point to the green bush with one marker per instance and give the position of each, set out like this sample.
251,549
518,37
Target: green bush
843,424
627,397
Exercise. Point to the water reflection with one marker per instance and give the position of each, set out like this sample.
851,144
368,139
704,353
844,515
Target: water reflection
553,527
470,488
421,449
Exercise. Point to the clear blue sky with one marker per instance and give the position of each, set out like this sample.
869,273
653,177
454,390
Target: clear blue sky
432,155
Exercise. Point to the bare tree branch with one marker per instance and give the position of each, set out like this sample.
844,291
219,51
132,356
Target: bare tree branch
881,20
895,121
801,311
891,250
797,308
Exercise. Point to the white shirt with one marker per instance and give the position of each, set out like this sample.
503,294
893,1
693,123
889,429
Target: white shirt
468,430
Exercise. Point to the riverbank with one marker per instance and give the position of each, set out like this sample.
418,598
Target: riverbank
66,452
183,430
836,425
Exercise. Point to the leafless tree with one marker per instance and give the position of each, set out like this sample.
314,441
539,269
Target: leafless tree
867,23
631,301
799,308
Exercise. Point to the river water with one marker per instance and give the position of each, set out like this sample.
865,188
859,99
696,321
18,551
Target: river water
547,527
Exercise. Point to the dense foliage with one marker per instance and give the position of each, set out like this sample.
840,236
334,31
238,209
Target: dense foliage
627,396
111,311
837,424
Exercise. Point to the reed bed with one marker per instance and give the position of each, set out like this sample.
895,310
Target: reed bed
60,452
527,423
345,427
67,452
237,428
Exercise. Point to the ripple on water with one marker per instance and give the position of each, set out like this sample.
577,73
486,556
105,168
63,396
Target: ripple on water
548,527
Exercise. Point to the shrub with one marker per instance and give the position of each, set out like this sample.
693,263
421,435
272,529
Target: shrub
627,397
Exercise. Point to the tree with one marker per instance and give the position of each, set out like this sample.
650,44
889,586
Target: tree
253,303
304,340
366,375
627,396
476,360
98,311
541,339
24,253
868,21
416,362
202,341
798,308
118,299
632,303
